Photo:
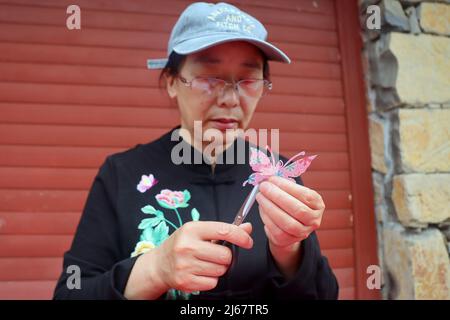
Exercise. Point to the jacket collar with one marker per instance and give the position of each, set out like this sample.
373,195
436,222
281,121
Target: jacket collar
202,172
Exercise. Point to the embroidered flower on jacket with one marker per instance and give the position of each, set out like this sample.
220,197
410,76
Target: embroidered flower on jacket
155,229
142,247
146,183
173,199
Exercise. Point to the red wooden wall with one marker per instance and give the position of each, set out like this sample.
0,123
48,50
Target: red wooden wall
69,98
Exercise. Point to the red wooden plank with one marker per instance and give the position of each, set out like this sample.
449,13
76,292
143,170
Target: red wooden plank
80,178
345,277
65,223
42,200
306,13
44,156
318,7
128,137
136,39
27,269
335,239
307,69
107,95
90,115
92,157
26,290
46,178
56,245
339,258
153,117
148,22
57,223
73,200
34,245
77,55
18,269
312,142
302,105
107,76
359,151
77,136
337,219
299,122
134,58
347,294
78,94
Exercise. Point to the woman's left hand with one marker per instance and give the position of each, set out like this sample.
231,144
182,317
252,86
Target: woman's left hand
290,213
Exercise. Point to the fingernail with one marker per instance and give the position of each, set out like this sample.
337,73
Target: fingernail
265,186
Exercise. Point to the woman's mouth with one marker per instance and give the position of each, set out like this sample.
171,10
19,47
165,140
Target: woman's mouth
224,123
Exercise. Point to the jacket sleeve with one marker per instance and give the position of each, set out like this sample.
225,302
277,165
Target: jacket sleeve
95,247
314,278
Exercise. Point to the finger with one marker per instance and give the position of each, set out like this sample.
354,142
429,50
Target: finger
200,283
308,196
213,230
282,219
247,227
208,269
288,203
214,253
276,235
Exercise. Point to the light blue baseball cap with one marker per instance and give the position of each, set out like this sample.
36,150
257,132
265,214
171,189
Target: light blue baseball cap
202,25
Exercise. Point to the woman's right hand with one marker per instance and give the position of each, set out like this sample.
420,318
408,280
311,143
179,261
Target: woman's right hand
188,260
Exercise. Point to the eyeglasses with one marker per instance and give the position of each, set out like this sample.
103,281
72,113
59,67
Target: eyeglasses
250,88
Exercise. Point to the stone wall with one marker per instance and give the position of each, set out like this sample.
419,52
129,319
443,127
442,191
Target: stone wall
407,68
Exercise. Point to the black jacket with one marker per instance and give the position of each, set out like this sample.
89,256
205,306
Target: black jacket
108,232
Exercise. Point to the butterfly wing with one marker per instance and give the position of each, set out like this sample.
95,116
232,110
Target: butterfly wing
297,167
261,165
259,161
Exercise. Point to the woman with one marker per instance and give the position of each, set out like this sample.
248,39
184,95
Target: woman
150,228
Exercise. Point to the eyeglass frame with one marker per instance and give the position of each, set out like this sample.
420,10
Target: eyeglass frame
267,84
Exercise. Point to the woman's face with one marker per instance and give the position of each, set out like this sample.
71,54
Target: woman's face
225,110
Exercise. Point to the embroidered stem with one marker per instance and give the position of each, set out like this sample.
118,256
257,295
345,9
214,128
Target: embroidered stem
179,218
174,226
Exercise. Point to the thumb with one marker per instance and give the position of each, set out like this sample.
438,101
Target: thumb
247,227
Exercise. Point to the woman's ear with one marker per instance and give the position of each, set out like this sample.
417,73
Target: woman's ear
171,85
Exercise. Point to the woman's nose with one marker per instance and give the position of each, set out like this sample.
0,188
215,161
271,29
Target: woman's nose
229,97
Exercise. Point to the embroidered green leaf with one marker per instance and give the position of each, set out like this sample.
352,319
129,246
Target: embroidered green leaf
195,214
183,205
150,222
187,196
160,233
147,235
148,209
159,214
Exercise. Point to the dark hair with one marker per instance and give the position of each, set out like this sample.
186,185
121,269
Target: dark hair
175,62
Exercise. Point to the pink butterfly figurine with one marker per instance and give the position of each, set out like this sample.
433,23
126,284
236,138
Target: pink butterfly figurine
265,167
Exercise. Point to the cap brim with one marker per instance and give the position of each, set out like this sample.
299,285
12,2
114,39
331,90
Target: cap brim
198,44
202,43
